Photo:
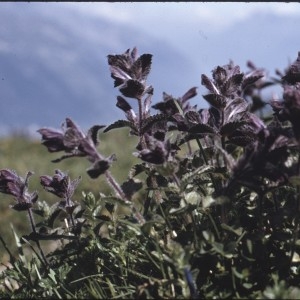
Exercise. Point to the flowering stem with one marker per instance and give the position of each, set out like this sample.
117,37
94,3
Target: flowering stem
113,183
32,223
206,162
116,187
141,136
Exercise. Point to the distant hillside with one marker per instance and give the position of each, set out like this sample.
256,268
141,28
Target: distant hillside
49,71
53,62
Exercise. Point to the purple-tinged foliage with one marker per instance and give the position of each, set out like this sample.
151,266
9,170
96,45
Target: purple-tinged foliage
156,151
130,73
60,184
12,184
291,96
289,108
76,143
263,159
101,166
71,140
220,194
230,114
292,75
126,107
170,105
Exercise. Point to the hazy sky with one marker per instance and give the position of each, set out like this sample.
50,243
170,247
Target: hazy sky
190,26
54,52
162,19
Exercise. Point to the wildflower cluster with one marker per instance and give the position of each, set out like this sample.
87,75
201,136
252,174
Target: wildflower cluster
211,209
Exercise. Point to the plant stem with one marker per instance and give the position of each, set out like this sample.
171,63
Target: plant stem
113,183
32,223
206,162
11,258
141,117
116,187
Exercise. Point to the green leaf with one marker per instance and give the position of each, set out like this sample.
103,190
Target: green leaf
53,216
33,236
187,178
103,218
237,231
116,200
79,214
52,276
295,180
182,210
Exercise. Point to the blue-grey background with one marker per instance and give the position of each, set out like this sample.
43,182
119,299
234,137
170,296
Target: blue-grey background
53,56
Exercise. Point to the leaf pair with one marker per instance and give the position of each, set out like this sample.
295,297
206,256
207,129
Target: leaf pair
130,72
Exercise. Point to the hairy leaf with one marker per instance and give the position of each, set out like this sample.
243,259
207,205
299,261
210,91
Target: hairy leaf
137,169
132,89
131,186
121,124
235,107
293,74
252,77
167,107
202,129
233,83
142,66
93,133
189,94
192,117
123,104
100,167
147,123
241,140
219,75
187,178
215,100
115,200
209,84
230,127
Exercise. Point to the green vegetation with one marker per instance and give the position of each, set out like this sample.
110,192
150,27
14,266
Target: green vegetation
185,203
22,153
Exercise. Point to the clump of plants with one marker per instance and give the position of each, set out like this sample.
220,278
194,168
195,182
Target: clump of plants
211,209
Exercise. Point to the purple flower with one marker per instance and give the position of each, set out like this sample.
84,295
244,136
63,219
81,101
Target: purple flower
60,185
130,72
76,143
71,140
53,139
12,184
157,152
